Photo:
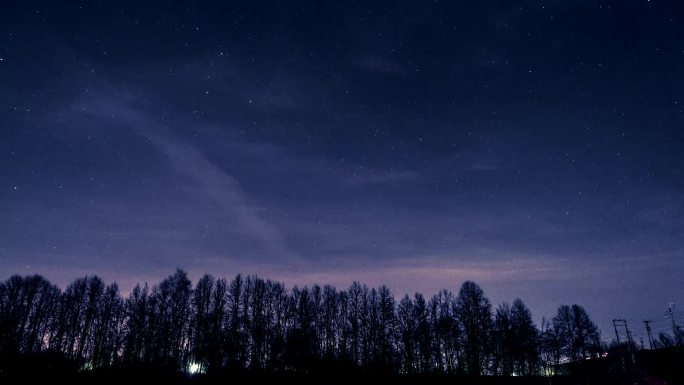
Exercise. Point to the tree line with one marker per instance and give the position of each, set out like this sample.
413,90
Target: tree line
258,324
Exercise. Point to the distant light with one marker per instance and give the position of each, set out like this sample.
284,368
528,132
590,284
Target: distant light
194,368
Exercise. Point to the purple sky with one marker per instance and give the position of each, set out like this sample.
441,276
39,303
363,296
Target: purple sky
535,149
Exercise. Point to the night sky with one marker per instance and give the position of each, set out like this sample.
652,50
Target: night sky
536,148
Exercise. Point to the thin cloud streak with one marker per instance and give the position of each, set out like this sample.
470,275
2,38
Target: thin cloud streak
206,176
223,189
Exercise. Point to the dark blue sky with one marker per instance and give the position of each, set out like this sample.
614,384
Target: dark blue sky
534,147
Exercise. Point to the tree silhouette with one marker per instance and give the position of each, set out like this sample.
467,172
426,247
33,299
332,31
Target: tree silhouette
424,333
446,333
578,335
525,348
202,322
504,342
108,328
515,340
256,324
474,314
26,307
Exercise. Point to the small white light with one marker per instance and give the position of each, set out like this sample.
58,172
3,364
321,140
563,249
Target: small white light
194,368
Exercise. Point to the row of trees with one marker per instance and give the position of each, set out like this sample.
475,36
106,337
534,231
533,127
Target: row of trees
254,323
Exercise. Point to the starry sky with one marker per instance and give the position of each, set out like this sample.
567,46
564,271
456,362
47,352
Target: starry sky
535,147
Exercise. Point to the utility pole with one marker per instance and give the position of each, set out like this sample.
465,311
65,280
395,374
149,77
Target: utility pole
622,323
648,331
630,346
629,335
617,336
631,342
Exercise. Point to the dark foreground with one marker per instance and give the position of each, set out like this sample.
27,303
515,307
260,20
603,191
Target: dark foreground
127,377
665,367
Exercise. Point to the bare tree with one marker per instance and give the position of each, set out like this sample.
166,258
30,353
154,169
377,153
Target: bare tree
328,321
108,328
171,301
526,339
550,347
235,347
406,325
423,334
578,335
354,316
503,340
474,315
386,328
445,331
201,318
515,340
26,308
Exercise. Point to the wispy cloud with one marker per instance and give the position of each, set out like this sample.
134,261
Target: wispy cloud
224,190
206,177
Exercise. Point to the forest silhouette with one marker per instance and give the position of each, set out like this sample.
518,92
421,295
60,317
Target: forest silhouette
254,325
